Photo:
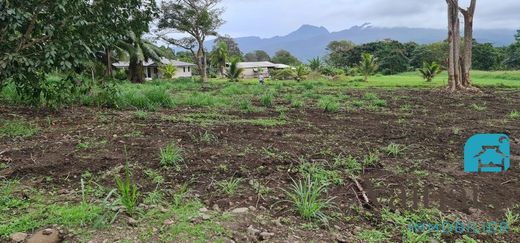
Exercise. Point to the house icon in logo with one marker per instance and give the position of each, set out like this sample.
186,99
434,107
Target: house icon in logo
487,153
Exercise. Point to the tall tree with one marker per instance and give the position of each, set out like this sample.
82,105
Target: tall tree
257,56
459,67
232,47
468,42
197,18
285,57
219,56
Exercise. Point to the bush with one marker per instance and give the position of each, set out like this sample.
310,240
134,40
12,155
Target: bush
332,71
282,74
121,74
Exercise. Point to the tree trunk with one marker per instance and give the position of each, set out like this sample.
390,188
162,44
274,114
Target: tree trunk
108,54
136,71
468,43
459,66
202,61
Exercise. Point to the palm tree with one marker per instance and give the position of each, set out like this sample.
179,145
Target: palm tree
301,72
219,56
315,64
430,71
234,72
139,50
368,65
169,71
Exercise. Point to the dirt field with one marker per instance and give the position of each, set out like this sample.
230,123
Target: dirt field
269,147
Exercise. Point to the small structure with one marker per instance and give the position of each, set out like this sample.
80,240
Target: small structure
253,69
152,70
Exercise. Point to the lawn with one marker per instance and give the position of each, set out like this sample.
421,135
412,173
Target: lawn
181,161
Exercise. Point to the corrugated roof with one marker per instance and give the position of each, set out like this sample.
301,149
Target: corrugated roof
164,61
256,65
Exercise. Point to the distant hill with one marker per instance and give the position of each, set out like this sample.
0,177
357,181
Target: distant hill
310,41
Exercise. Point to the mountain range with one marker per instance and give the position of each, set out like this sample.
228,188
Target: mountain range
310,41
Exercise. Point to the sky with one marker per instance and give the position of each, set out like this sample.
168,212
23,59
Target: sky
268,18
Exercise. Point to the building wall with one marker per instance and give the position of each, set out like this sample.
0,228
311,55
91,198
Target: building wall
184,72
250,73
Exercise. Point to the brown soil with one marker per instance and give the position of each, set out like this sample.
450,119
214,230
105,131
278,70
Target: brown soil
434,130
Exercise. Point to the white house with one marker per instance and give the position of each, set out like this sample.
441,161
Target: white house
152,69
253,69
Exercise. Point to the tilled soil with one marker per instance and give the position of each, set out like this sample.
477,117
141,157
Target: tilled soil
431,124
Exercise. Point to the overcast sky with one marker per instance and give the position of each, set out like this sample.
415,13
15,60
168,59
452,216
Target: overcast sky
267,18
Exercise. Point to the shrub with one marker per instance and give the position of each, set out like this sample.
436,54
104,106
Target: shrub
171,156
121,74
169,71
305,197
282,74
429,71
332,71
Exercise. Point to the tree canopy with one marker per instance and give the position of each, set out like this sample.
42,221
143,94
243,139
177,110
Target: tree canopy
285,57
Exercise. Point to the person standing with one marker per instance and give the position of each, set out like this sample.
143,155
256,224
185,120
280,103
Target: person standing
261,79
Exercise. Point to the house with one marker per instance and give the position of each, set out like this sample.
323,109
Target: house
253,69
152,69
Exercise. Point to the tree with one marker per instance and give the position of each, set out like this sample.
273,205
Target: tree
219,56
257,56
197,18
429,71
487,57
337,52
459,67
139,50
234,72
315,64
38,37
368,65
285,57
233,50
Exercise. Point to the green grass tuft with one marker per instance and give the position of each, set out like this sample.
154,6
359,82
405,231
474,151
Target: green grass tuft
17,128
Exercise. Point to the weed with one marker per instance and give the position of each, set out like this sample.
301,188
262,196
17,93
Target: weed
134,134
229,186
372,159
370,96
267,100
319,173
305,197
394,150
208,137
350,163
514,115
297,103
456,130
329,104
511,218
259,188
128,191
141,115
171,156
478,107
372,236
17,128
153,198
246,106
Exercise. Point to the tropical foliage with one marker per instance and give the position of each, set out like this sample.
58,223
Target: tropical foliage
234,72
429,71
368,65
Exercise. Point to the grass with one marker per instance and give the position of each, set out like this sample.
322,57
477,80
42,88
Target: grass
229,186
514,115
372,236
349,163
17,129
171,156
479,108
207,137
319,173
329,104
394,150
305,196
267,99
127,191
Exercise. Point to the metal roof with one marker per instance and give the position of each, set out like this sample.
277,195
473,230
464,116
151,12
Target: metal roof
163,61
261,65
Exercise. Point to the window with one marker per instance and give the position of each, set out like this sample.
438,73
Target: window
184,69
189,69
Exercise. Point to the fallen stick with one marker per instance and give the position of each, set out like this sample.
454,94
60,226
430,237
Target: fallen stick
362,191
